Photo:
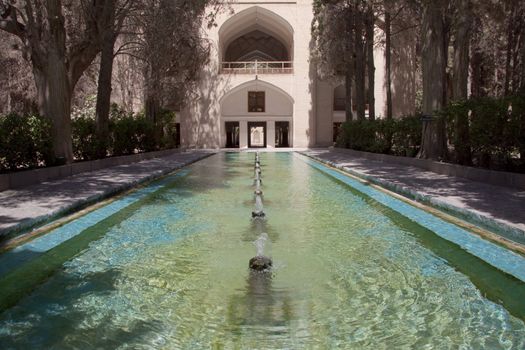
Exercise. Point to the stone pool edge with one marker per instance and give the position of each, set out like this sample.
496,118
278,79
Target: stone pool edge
497,232
35,223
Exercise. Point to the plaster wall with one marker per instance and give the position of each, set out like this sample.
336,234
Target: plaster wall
298,97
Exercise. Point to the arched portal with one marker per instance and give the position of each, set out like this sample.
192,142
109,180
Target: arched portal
256,40
269,124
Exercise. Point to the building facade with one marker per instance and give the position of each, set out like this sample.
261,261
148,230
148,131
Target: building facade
260,88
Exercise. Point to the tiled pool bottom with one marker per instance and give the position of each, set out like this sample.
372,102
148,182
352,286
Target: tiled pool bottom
170,270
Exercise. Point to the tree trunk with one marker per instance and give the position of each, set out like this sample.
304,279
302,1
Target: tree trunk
53,87
360,64
522,92
54,102
104,97
151,100
370,63
522,80
348,95
460,82
104,85
433,143
349,64
388,64
476,63
477,73
510,47
56,69
445,42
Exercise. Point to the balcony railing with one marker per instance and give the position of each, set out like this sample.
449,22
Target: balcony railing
257,67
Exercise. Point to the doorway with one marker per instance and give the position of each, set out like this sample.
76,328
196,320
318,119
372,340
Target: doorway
256,134
281,134
232,134
336,131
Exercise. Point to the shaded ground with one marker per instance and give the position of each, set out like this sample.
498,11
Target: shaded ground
503,205
29,205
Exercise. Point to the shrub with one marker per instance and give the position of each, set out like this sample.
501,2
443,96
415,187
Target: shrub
517,126
395,136
85,142
25,142
407,136
130,133
488,122
494,126
358,135
83,130
169,130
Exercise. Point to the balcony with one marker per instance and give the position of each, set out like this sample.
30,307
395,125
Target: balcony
257,67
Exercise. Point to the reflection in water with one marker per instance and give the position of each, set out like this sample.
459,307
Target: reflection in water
260,305
347,274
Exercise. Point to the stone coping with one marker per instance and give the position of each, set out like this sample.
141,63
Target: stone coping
45,202
492,177
498,256
508,232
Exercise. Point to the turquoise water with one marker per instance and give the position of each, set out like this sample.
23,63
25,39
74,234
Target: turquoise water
170,271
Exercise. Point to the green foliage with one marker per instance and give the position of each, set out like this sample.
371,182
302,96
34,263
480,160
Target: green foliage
407,136
83,131
395,136
84,138
169,129
130,133
495,133
25,142
495,127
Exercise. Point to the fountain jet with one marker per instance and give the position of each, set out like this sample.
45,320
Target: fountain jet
258,212
260,262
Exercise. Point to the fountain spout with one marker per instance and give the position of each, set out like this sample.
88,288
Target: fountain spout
260,262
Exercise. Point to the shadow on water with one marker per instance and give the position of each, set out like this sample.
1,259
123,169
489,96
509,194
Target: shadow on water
37,267
493,283
63,308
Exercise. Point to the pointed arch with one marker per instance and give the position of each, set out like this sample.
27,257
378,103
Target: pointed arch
252,19
258,84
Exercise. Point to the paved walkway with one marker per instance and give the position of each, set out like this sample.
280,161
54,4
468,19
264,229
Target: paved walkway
504,207
485,203
35,204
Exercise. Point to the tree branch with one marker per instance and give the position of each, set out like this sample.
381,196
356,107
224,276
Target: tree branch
10,24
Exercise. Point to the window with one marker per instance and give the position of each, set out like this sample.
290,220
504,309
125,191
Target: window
256,101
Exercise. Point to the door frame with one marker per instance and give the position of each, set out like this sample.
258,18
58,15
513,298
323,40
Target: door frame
287,132
257,124
234,124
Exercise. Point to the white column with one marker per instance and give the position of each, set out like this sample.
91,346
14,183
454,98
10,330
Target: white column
270,131
304,80
243,131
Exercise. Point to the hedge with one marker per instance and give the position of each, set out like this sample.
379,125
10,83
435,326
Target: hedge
25,141
400,137
495,130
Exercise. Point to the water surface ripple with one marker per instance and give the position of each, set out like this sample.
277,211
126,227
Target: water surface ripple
174,274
